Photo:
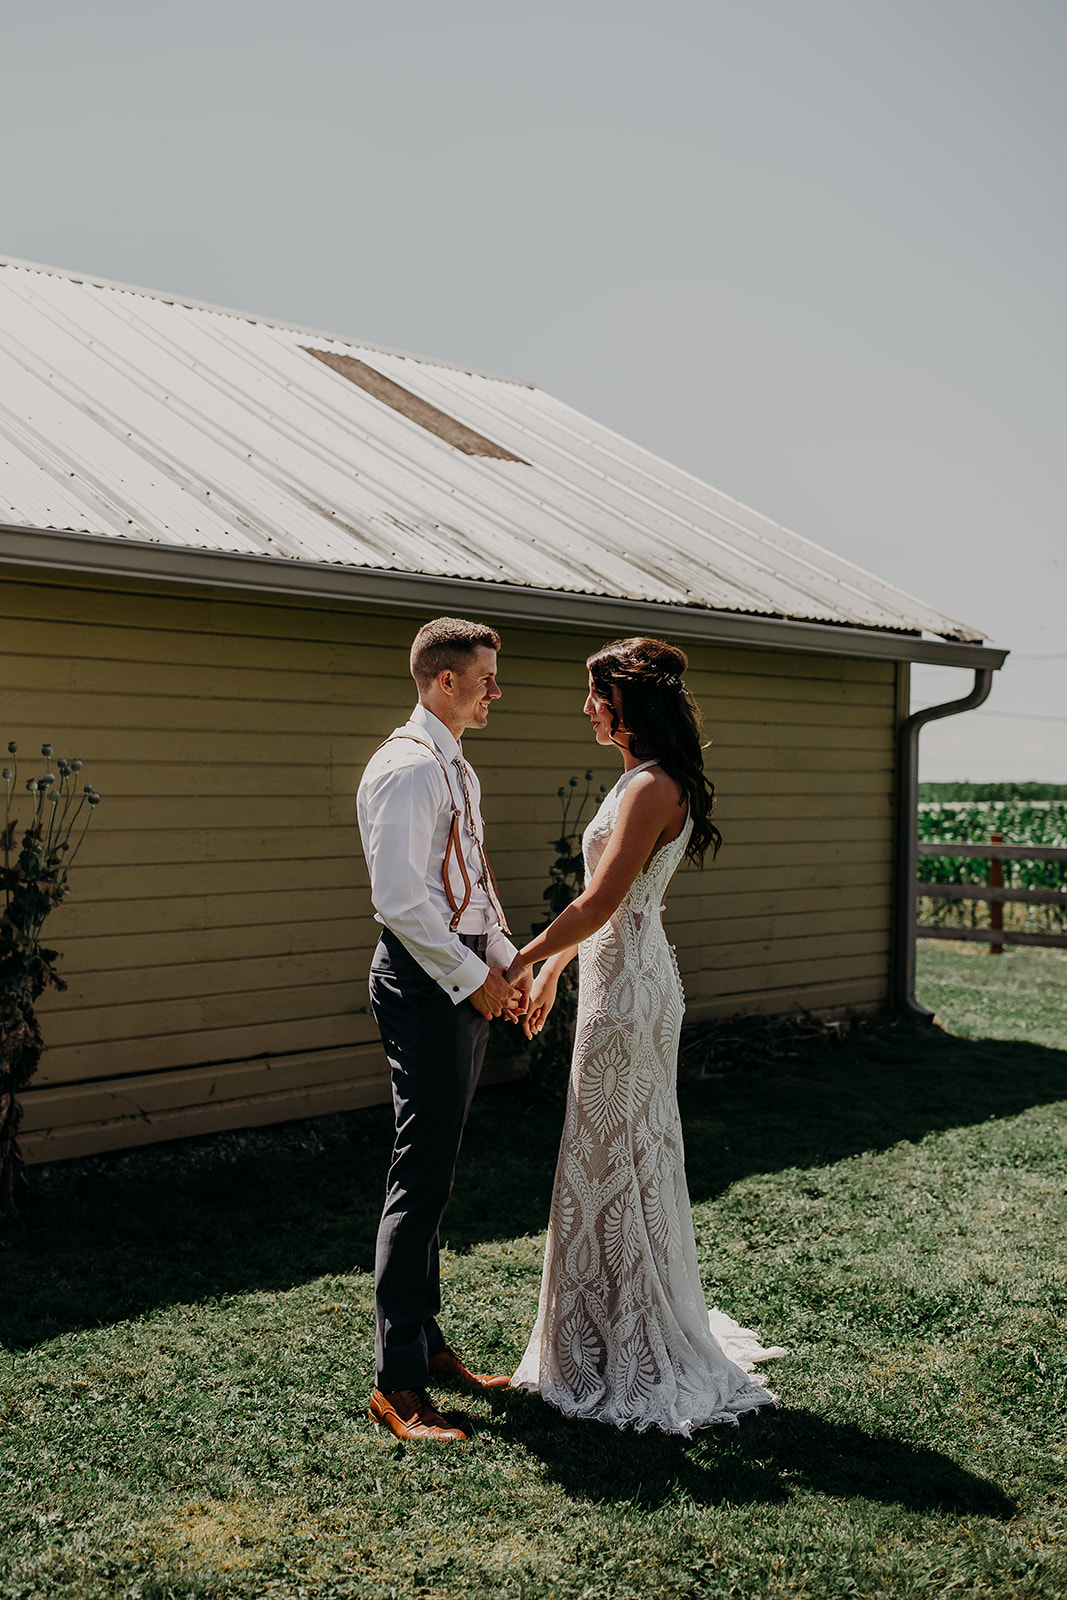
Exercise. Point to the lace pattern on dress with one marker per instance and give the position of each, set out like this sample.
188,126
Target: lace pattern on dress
623,1332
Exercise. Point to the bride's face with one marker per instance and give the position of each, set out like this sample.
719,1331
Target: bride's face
599,711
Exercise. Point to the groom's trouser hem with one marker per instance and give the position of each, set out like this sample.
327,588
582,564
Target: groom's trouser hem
435,1052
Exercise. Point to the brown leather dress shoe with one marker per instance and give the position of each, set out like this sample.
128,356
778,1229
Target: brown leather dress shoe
411,1414
446,1367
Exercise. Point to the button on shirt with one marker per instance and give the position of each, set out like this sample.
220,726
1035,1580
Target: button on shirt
405,812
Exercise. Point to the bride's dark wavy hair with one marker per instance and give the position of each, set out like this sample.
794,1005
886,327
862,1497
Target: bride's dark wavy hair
662,719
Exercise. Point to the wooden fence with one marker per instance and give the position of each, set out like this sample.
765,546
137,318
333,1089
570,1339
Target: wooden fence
996,936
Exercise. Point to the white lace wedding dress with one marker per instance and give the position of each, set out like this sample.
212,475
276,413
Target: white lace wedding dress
623,1332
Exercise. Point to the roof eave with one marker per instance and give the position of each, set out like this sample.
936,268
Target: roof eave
99,556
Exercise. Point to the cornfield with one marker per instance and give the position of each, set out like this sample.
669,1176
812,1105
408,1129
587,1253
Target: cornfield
1020,822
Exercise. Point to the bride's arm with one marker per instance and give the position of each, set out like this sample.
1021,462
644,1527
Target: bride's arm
543,994
553,967
648,806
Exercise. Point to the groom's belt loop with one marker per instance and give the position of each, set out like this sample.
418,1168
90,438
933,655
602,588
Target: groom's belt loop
452,848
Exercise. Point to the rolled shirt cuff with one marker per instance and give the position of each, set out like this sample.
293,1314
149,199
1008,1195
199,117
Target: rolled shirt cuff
468,976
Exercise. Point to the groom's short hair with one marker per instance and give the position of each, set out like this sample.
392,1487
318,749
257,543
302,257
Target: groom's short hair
447,643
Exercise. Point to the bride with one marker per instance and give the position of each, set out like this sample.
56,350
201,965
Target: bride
623,1332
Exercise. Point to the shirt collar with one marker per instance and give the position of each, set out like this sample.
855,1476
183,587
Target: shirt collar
449,747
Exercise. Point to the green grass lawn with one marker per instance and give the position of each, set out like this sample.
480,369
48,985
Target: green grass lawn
1019,994
188,1348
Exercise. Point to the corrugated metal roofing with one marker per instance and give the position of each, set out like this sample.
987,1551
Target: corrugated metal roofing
134,415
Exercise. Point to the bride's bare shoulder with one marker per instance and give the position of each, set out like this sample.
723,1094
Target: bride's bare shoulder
653,787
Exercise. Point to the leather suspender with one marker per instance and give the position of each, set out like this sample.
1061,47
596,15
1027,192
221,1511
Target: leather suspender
452,848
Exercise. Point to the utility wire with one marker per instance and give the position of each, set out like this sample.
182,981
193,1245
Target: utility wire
1026,716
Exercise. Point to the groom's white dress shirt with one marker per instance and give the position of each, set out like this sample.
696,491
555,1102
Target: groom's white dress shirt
404,820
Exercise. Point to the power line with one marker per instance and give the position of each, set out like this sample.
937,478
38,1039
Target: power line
1026,716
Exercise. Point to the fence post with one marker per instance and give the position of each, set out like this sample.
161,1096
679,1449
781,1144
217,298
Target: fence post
996,907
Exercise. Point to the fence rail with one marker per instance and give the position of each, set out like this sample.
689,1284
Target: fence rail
996,936
991,852
995,896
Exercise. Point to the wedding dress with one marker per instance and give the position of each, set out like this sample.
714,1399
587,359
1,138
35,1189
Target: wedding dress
623,1332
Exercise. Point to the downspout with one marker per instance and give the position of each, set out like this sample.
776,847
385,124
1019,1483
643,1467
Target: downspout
908,840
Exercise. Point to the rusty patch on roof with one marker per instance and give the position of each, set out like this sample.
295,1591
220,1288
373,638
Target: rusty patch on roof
409,405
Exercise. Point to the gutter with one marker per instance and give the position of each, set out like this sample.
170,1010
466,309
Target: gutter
413,592
907,852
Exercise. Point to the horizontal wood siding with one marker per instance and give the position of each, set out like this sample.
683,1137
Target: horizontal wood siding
219,932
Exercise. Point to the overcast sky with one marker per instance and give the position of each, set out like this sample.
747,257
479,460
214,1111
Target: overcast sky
811,250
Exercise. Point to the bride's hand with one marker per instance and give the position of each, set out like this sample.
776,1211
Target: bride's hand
542,999
519,971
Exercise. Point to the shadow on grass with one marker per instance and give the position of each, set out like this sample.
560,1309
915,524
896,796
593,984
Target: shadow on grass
766,1460
888,1083
114,1236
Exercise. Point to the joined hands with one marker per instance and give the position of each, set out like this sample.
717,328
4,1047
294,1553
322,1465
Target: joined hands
517,996
499,996
540,993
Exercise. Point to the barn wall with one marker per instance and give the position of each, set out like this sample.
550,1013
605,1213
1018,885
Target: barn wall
797,911
219,932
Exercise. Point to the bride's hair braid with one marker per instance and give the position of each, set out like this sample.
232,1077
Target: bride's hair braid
641,680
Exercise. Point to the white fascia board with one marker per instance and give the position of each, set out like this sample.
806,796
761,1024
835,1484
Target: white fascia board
101,557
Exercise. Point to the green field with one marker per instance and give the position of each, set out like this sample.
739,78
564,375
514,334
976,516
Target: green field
188,1347
1020,820
940,792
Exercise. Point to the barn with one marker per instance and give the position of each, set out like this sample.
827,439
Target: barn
218,533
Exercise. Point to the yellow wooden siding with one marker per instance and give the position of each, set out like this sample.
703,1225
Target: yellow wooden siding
218,936
79,1119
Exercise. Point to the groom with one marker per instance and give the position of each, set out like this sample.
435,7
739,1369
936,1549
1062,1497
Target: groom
436,980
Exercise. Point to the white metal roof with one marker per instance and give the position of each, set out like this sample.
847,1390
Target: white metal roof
133,415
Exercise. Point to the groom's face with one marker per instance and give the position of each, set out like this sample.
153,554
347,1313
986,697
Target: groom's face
475,688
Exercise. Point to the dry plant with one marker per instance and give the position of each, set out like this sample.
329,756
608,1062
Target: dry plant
34,882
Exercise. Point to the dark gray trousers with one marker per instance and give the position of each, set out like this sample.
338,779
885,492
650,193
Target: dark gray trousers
435,1051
